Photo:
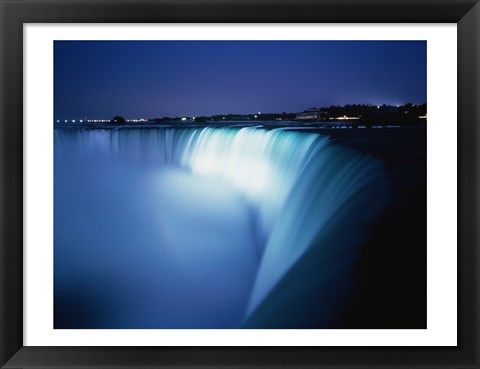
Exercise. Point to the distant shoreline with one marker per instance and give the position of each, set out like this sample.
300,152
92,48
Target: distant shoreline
340,124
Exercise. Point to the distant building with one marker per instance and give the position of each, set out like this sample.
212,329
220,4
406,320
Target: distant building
310,115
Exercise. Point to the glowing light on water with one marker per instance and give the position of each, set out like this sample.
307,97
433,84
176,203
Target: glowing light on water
260,164
253,160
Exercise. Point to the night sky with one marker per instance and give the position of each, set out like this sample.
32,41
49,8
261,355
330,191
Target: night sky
148,79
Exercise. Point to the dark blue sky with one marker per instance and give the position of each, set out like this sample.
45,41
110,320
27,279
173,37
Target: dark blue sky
146,79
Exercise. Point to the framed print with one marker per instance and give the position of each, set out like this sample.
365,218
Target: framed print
269,184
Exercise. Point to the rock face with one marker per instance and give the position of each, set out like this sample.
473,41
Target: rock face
118,120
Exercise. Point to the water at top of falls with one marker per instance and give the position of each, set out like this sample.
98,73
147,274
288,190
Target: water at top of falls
296,189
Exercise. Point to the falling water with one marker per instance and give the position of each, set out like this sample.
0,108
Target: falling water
250,223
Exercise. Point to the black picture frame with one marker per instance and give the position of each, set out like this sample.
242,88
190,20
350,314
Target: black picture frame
15,13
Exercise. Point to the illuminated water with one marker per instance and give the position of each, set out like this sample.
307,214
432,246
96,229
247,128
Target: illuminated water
207,227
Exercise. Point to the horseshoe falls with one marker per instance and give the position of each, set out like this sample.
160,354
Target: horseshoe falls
168,227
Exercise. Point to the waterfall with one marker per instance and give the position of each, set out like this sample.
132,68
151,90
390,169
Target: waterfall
311,200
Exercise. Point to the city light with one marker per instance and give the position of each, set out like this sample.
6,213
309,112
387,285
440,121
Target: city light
345,118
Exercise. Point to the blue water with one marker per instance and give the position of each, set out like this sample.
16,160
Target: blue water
208,227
